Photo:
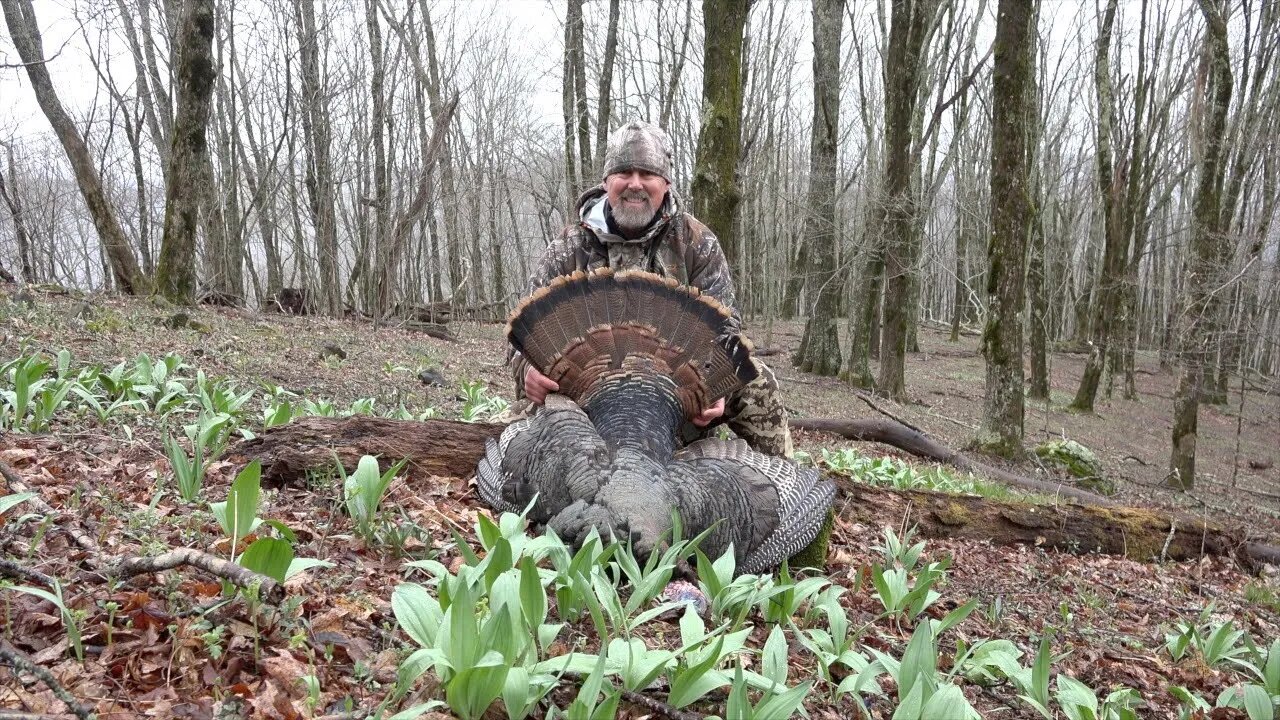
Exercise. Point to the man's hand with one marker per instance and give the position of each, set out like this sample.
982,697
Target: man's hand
537,385
709,414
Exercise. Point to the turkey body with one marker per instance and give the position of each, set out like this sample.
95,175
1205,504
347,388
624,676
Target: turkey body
605,455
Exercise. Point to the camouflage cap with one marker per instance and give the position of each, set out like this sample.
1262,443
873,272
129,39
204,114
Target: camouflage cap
638,145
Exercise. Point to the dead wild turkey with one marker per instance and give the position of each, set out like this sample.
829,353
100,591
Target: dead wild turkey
634,355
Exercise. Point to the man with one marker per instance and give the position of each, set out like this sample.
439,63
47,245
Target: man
633,220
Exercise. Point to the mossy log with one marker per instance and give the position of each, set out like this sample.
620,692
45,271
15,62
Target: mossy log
446,448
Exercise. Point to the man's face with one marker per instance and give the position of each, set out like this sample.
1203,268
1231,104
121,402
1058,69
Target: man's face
635,196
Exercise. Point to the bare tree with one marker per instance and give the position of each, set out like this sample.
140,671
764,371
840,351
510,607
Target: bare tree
320,185
715,182
188,158
820,346
1013,114
1208,251
13,202
20,16
911,24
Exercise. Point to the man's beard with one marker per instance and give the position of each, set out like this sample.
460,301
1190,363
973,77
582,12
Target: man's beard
630,218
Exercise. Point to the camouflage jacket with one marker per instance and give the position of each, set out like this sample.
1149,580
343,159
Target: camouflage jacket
677,245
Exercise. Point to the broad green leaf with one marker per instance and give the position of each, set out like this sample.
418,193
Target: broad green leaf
774,660
1072,694
9,501
474,688
417,612
417,711
303,564
242,502
949,702
919,664
1257,703
784,704
911,705
269,556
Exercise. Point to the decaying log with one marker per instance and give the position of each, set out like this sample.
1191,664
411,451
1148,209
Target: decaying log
452,449
435,330
1137,533
434,447
917,443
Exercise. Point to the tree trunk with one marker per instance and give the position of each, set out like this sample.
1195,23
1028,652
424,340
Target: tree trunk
715,169
320,186
1013,112
13,201
1114,238
587,166
387,251
1208,253
820,346
574,182
188,156
605,88
904,69
20,16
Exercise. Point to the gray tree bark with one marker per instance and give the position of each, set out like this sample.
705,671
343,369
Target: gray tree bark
20,16
1013,114
1209,248
715,169
819,351
189,153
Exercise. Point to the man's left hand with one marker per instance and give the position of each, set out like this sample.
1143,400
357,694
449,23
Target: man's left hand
710,414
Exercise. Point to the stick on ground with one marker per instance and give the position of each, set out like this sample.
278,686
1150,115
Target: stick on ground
23,664
225,569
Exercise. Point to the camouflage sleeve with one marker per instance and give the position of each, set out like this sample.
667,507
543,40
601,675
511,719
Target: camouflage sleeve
709,272
562,256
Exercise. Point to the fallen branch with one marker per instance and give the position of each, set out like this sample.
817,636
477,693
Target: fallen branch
921,445
225,569
23,664
18,486
9,568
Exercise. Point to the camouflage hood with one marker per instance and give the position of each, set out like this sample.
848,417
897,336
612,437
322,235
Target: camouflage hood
592,213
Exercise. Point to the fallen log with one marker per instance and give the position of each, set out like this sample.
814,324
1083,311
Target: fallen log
452,449
434,447
1136,533
435,330
917,443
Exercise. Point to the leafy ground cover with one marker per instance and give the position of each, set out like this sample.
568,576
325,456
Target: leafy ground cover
402,595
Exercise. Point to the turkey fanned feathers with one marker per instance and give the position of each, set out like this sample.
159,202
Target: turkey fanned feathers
581,326
634,355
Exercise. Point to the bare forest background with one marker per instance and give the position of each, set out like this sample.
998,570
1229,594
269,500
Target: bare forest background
392,158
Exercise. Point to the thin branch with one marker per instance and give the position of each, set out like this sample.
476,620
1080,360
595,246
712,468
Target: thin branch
23,664
9,568
225,569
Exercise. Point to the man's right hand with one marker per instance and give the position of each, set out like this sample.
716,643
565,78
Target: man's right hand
537,385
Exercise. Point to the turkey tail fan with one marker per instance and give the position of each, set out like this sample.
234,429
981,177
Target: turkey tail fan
580,327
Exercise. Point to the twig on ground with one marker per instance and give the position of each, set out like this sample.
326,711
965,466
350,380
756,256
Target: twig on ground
9,568
864,397
18,486
241,576
658,706
644,701
23,664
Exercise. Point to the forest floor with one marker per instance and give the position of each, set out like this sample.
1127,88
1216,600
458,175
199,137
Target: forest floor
150,652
